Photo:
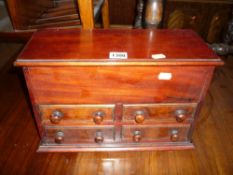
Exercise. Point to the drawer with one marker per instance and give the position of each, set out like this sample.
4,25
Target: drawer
154,133
70,135
149,113
117,84
76,114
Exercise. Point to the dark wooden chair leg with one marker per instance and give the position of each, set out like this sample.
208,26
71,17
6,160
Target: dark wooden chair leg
139,14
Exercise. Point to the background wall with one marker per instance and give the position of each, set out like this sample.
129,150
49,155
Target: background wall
7,50
122,11
209,18
5,24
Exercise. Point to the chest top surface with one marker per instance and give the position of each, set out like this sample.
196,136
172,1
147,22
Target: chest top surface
67,47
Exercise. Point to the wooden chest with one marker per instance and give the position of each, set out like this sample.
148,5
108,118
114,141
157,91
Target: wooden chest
114,90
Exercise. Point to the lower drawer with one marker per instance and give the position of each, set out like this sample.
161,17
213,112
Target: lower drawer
155,133
70,135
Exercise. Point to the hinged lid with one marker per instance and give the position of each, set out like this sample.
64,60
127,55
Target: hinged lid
75,47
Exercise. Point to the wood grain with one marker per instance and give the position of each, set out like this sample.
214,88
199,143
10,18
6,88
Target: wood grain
199,16
54,45
115,84
86,13
158,112
80,135
32,15
77,114
105,15
212,137
74,85
122,11
151,134
24,14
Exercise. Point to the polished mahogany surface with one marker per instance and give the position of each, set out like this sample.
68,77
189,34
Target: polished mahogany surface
70,45
77,114
116,84
85,101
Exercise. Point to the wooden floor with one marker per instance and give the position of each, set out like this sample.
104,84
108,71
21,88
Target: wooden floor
213,138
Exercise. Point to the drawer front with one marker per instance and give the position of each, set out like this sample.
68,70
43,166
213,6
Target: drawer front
154,134
149,113
77,114
68,135
119,84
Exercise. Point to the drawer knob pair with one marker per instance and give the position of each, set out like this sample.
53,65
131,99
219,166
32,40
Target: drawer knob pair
56,116
180,115
137,136
140,116
98,117
59,137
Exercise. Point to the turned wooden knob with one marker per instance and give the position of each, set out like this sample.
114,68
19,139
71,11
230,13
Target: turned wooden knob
56,116
139,116
98,117
137,136
174,135
59,137
99,138
180,115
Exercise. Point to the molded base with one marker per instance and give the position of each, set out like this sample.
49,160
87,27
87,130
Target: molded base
116,147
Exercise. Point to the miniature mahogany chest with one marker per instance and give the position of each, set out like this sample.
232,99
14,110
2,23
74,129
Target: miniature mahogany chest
114,90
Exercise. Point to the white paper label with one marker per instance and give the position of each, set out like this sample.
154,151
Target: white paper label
165,76
158,56
118,55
